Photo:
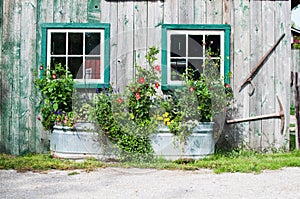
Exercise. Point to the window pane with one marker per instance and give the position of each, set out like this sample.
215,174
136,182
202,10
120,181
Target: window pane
178,46
92,43
196,65
178,68
213,42
58,44
57,60
195,45
75,66
75,45
92,68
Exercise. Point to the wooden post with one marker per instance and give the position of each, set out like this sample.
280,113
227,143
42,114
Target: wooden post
296,95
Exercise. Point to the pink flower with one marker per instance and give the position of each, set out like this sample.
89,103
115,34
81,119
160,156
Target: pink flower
41,67
141,80
157,68
156,85
53,76
192,89
39,118
137,96
227,86
64,121
119,100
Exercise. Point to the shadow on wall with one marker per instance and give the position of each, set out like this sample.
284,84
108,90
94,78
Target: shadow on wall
231,136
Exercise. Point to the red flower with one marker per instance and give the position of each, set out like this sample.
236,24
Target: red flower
157,68
41,67
227,86
53,76
156,85
119,100
39,118
192,89
137,96
141,80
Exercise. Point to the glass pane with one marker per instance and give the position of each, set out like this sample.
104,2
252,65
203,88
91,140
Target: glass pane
57,60
58,44
92,68
75,45
213,44
75,66
196,65
195,46
178,68
178,46
92,43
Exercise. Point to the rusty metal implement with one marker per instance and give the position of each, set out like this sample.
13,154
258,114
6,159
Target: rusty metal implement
279,115
254,71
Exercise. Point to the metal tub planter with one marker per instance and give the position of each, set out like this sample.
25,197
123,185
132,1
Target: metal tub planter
198,145
79,142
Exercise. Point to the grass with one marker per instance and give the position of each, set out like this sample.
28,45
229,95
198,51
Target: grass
235,161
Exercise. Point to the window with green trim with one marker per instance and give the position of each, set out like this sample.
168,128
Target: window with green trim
185,46
82,48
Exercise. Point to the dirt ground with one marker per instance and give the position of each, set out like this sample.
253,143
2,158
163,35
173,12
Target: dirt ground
150,183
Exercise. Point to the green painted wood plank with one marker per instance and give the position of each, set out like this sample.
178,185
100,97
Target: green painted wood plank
27,64
11,55
1,76
94,10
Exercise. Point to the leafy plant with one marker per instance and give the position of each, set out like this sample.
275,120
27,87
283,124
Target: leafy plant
56,86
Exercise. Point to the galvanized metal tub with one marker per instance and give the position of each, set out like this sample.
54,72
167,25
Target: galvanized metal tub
198,145
79,142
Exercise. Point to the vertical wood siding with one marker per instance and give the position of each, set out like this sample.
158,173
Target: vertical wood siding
136,26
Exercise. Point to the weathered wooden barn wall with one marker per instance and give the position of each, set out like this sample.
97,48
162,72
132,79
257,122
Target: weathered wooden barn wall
136,25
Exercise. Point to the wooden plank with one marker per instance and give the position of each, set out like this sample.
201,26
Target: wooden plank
282,54
125,44
185,12
240,69
171,15
256,53
155,19
78,11
28,137
140,15
200,12
11,62
266,76
214,10
94,11
1,77
61,11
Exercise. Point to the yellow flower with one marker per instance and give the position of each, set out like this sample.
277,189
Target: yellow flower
160,118
166,114
168,123
167,120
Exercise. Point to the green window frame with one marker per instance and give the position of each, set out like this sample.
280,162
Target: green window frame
169,30
99,58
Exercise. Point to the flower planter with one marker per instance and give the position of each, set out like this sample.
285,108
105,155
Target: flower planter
198,145
77,143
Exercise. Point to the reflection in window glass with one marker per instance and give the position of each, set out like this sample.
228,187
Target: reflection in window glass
75,44
195,45
178,67
93,64
58,44
75,66
178,46
92,43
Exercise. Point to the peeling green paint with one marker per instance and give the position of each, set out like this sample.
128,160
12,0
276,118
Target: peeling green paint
159,24
136,7
126,20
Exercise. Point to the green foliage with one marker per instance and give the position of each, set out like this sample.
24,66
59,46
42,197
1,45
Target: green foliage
126,117
296,44
56,87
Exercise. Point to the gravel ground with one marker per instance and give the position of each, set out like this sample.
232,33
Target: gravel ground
150,183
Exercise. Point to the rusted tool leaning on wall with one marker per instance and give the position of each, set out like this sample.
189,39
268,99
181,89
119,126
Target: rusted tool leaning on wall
279,115
258,66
